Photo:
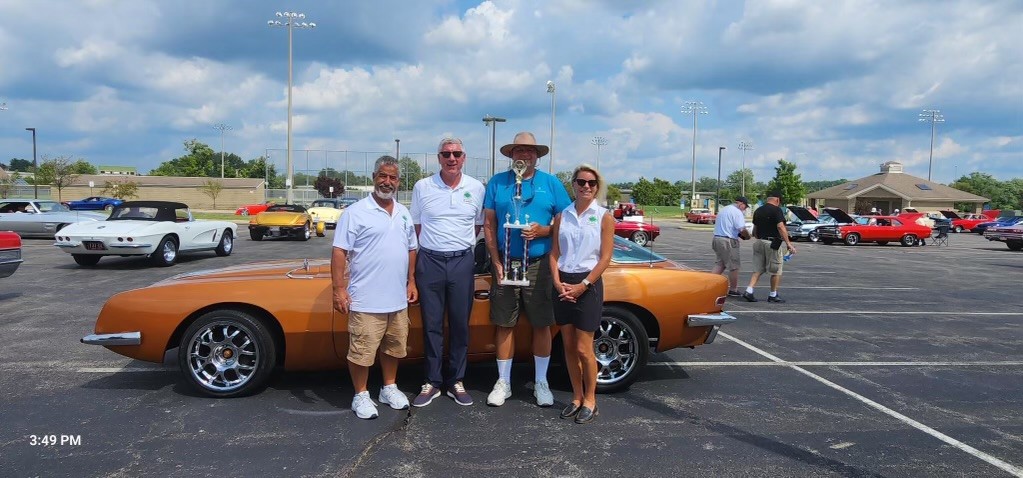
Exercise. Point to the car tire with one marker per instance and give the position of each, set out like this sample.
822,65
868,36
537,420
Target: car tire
307,232
256,235
108,208
166,253
640,237
622,348
227,353
1015,245
908,240
321,229
957,229
813,236
87,260
226,244
852,239
245,212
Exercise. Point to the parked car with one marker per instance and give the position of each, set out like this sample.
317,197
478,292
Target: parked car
233,326
94,203
1002,221
40,218
700,216
879,229
805,224
329,210
1012,236
641,233
627,211
252,209
968,221
284,220
158,230
10,253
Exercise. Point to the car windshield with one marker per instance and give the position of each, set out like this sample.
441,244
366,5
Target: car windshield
345,202
628,252
323,203
51,206
285,208
138,213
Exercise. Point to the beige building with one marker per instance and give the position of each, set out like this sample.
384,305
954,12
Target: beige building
892,189
236,191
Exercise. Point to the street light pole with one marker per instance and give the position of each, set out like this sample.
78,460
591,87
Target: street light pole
222,127
931,116
550,89
290,22
598,141
717,195
492,122
695,108
35,166
744,146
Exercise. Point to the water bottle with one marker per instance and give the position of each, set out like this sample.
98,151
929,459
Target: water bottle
788,256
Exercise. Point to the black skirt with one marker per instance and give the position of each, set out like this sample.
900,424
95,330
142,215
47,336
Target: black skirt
584,314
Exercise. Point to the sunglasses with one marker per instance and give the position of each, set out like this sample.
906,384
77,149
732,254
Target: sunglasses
586,182
448,154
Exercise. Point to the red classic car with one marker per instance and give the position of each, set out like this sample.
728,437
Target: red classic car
1012,235
626,209
253,209
967,221
637,231
701,216
879,229
10,253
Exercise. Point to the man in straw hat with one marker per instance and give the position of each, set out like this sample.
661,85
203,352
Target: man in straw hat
542,196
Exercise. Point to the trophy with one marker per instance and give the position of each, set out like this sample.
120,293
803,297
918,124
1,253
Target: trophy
515,270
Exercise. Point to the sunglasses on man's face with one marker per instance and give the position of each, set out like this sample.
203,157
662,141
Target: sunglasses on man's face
448,154
586,182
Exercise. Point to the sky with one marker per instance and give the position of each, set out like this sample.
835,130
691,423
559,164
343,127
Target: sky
834,86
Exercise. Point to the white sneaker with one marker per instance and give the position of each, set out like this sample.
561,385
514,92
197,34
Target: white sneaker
363,406
390,395
543,395
501,392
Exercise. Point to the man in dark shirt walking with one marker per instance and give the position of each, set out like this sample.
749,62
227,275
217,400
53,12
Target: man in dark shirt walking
769,247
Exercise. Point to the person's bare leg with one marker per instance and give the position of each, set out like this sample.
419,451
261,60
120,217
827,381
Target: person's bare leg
584,348
360,375
505,342
568,337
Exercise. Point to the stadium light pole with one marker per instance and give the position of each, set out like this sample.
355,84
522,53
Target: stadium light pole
290,20
931,116
717,195
598,141
550,89
222,127
35,166
744,146
695,108
492,121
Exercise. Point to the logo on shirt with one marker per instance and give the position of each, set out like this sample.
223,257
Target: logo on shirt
593,219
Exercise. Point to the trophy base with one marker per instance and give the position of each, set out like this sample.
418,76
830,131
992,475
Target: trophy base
519,283
509,225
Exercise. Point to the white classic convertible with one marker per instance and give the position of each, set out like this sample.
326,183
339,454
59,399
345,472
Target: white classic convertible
154,229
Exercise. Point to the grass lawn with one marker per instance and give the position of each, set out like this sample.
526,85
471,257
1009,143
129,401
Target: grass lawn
220,216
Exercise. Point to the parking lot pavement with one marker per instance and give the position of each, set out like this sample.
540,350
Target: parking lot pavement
885,361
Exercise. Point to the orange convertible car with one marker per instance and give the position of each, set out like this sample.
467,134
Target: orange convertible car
233,326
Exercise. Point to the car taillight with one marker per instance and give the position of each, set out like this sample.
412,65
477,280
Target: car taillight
131,239
120,239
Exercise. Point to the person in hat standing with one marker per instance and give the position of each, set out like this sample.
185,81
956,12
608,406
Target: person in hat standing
542,197
769,247
729,227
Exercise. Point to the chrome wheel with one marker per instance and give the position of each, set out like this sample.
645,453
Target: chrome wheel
640,237
166,253
813,236
621,347
226,244
227,353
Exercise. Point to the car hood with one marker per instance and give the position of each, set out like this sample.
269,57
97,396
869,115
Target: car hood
803,214
267,269
839,215
326,211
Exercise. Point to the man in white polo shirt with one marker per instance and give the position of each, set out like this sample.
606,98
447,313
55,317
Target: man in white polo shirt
729,227
447,209
372,271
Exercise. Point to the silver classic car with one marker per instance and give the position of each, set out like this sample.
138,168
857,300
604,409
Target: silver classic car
40,217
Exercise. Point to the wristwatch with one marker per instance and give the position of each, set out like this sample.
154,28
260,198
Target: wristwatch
587,283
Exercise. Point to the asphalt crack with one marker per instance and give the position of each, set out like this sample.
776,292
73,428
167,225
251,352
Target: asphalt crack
370,448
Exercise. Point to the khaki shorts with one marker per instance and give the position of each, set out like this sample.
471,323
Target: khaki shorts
536,298
727,251
767,260
369,331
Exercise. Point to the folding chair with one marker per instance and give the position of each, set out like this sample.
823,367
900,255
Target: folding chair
941,238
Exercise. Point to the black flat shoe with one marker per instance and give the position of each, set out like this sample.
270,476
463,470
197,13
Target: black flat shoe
570,410
586,415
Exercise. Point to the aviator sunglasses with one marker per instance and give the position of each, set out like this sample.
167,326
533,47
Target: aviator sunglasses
447,154
586,182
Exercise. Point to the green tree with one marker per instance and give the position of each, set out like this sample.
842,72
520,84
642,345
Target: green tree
260,168
814,186
122,189
614,194
566,180
58,172
1002,195
82,166
212,188
787,182
20,165
656,193
410,173
198,162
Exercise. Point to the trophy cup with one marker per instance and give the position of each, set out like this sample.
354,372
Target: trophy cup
515,270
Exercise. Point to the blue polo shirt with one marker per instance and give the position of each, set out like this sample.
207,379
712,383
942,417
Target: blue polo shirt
543,196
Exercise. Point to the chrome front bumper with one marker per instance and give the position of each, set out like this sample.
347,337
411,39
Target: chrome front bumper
713,320
122,338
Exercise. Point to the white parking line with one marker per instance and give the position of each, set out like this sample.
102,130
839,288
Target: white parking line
123,370
874,312
836,287
838,364
990,459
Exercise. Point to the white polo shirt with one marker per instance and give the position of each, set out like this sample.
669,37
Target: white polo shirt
378,246
448,215
730,222
579,238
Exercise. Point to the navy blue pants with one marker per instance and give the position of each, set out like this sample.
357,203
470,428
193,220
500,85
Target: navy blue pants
445,282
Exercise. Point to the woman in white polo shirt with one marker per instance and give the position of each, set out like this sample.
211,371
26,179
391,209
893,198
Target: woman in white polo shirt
585,238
